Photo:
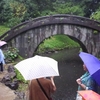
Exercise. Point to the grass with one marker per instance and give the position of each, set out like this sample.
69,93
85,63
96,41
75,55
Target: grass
23,87
57,42
3,29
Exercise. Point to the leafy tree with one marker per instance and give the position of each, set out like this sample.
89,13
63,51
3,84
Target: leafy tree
1,12
15,13
96,15
45,7
32,9
18,9
90,6
68,8
4,11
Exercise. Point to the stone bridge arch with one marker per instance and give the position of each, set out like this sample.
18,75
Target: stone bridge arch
28,35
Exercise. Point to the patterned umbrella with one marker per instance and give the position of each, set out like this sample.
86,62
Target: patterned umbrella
93,65
37,67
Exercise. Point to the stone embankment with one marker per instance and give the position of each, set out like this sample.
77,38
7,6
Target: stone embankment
8,90
5,92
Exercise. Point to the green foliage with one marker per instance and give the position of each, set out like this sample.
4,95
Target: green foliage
68,8
95,32
19,76
11,54
18,11
13,12
56,42
3,29
4,11
96,15
90,6
32,9
23,87
13,22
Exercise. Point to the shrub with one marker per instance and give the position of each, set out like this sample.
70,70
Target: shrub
19,76
3,29
11,54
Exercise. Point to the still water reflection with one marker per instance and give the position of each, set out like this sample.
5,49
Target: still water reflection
70,68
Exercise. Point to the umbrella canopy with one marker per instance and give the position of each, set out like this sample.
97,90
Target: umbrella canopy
93,65
89,95
2,43
37,67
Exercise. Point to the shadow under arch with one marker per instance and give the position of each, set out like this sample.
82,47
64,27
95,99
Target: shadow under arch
39,45
80,43
71,37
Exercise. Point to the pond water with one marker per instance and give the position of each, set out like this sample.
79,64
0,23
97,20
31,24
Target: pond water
70,68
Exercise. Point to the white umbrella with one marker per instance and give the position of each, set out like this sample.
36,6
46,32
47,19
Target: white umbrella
37,67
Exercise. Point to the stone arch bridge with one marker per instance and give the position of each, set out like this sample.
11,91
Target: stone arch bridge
28,35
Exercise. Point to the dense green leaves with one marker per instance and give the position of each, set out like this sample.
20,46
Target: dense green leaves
13,12
96,15
11,54
69,8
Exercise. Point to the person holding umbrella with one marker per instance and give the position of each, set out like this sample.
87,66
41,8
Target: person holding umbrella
41,89
37,70
86,82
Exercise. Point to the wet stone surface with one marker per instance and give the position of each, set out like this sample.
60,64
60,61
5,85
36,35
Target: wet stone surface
70,68
66,82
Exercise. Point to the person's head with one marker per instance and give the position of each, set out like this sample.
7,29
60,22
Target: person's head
84,67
